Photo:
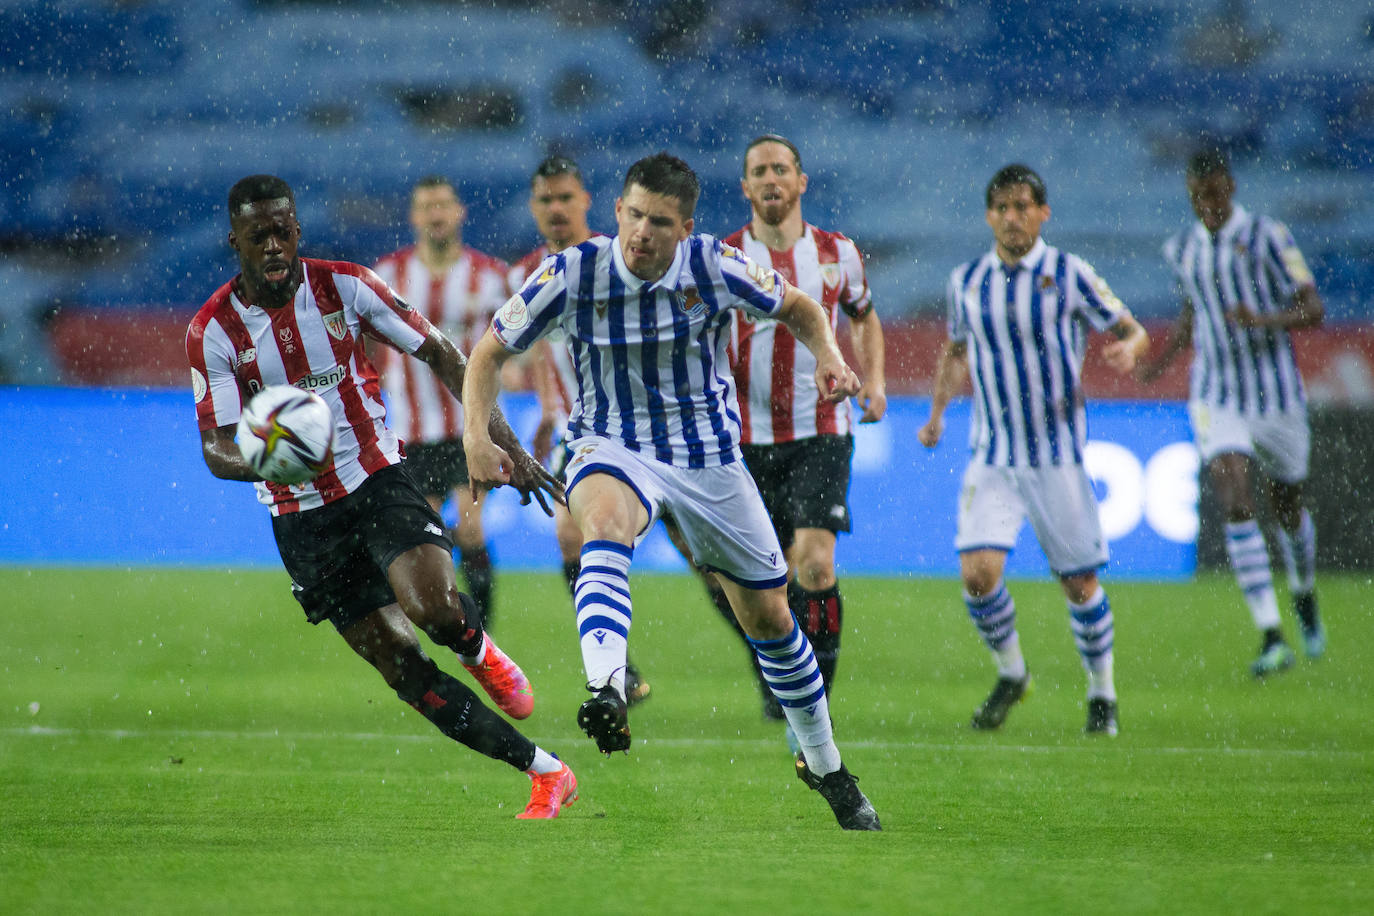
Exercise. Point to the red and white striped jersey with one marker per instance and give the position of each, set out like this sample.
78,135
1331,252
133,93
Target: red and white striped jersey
778,397
565,376
460,303
236,350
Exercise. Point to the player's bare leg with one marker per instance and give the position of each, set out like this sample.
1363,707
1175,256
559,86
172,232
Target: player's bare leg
426,590
814,595
789,665
474,557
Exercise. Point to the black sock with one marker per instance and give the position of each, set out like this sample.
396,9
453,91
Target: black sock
571,570
1272,636
457,712
468,636
821,615
476,566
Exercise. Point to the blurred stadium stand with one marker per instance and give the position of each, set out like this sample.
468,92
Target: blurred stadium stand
126,122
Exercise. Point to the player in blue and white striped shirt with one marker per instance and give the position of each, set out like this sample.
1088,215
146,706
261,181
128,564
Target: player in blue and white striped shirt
655,429
1018,318
1245,285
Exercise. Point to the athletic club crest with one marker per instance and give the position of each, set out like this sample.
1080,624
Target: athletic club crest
830,275
335,324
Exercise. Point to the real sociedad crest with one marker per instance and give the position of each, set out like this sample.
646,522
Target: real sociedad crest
689,301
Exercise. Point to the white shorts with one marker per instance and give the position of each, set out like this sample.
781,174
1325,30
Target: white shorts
1280,441
718,510
1058,500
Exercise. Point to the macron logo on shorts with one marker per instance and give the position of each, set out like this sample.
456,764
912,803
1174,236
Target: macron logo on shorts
434,529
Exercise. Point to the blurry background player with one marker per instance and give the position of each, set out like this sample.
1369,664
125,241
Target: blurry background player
797,443
559,203
364,549
654,430
457,288
1245,285
1018,316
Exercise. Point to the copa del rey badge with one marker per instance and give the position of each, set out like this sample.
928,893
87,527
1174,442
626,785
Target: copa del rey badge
514,314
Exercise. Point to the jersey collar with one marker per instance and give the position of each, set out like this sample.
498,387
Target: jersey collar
667,281
1031,259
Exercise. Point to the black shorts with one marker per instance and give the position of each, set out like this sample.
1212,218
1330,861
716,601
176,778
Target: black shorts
439,468
804,483
337,555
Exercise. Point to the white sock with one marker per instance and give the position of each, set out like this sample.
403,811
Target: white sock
789,666
602,598
1250,562
1094,632
1299,549
544,762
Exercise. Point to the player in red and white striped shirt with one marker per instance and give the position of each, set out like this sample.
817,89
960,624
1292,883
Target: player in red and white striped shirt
364,549
797,445
457,288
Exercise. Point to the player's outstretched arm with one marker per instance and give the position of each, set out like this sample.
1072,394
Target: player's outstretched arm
950,375
1180,336
805,318
495,456
1130,345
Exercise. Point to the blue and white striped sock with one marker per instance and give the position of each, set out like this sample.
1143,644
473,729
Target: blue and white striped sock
789,666
1250,562
1300,554
1093,633
602,600
994,615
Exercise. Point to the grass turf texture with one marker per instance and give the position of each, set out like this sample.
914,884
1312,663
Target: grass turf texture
198,747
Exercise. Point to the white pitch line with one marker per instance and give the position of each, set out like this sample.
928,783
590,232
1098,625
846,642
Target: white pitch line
41,731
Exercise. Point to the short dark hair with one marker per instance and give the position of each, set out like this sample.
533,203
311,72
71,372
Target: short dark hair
1208,161
772,138
663,173
553,166
1013,174
258,187
435,181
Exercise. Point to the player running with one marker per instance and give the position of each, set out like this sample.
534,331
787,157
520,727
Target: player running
647,315
364,550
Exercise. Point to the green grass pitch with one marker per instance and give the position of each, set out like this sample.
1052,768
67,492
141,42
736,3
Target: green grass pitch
182,741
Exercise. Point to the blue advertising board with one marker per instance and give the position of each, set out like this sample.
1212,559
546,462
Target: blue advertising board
115,477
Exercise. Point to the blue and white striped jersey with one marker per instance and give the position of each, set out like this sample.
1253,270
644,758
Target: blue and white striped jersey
652,368
1254,261
1025,330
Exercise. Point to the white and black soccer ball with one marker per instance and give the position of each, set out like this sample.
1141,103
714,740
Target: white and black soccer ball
286,434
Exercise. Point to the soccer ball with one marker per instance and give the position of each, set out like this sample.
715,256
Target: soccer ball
286,434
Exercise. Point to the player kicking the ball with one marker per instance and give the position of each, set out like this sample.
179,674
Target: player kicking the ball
364,549
647,315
